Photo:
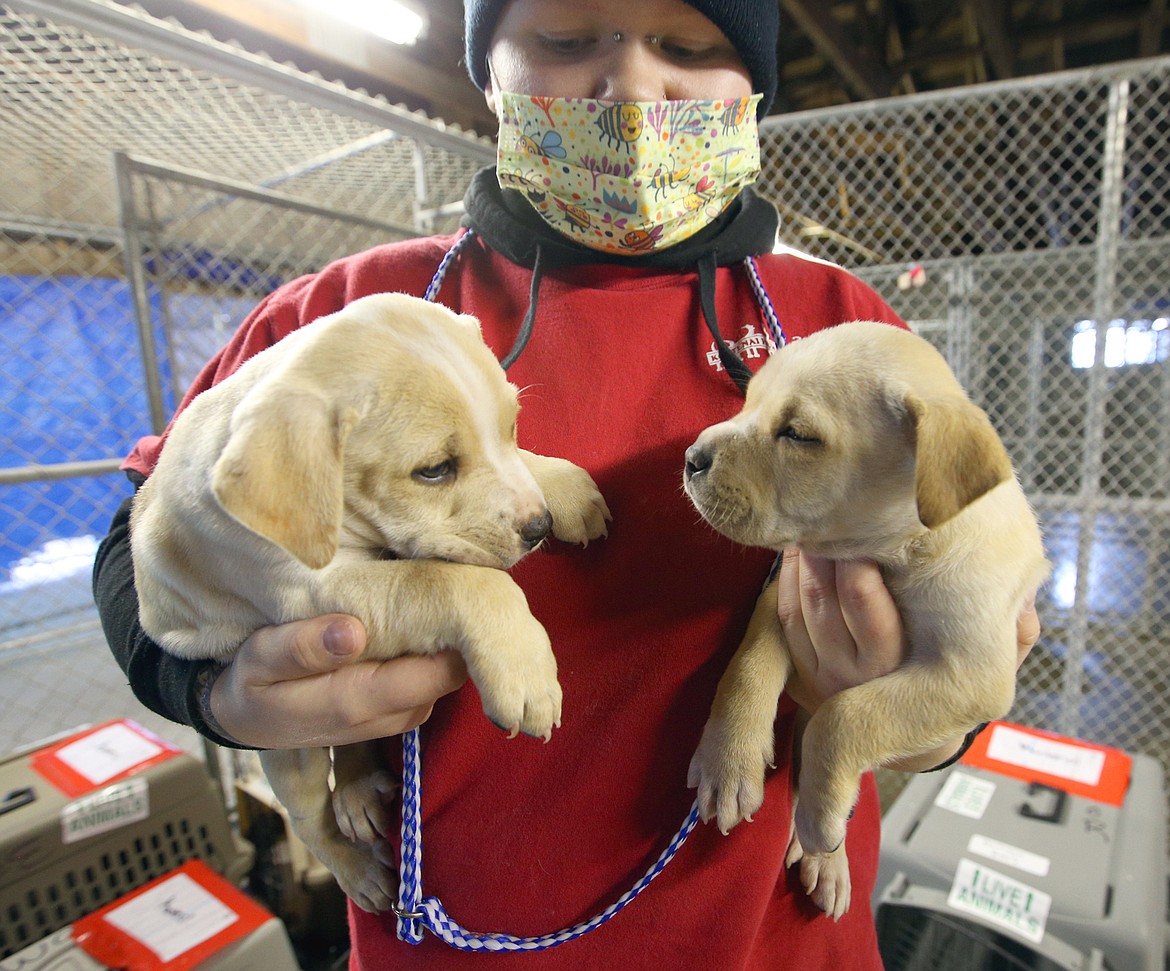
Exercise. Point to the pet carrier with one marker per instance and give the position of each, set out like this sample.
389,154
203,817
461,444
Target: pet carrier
1032,852
89,818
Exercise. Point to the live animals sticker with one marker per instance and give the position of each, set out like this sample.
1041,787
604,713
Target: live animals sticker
1000,900
110,808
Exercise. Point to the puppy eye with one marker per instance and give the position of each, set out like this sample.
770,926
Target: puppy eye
435,473
792,435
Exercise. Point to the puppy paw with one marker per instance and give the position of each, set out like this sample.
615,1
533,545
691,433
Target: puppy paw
577,507
360,807
365,879
820,831
521,694
825,877
590,521
728,771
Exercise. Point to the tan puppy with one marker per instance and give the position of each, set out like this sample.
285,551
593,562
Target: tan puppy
858,443
365,464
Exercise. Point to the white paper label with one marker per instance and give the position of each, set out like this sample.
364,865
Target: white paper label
965,794
1013,856
1000,900
108,752
173,917
99,812
1046,755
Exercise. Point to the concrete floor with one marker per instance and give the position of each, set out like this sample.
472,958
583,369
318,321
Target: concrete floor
65,678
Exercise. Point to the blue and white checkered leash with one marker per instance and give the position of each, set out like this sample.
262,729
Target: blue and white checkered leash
416,913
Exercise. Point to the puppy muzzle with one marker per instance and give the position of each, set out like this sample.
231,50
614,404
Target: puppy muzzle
533,532
698,461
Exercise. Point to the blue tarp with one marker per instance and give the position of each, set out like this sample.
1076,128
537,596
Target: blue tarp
73,390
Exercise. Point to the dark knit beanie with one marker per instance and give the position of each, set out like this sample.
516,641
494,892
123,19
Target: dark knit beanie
752,26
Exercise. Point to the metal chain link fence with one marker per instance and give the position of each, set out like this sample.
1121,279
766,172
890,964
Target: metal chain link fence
266,174
1024,227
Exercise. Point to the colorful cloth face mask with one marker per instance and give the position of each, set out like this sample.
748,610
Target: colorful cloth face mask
627,177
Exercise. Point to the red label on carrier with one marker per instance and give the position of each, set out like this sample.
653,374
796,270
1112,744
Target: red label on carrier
1070,765
98,756
171,924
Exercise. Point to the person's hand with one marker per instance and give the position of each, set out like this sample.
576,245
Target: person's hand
843,628
841,625
303,685
1027,630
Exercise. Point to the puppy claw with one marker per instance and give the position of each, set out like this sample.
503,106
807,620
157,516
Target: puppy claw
579,511
729,779
825,877
359,806
360,870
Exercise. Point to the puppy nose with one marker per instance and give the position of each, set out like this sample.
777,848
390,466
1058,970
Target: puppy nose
536,529
698,461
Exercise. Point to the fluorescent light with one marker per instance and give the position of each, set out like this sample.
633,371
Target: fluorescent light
387,19
1127,342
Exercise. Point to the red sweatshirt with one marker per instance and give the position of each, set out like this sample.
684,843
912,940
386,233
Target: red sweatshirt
526,838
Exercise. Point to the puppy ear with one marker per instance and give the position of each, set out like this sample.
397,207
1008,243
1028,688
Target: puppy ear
959,456
470,322
280,473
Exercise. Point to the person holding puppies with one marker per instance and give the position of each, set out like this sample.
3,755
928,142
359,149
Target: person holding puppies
622,267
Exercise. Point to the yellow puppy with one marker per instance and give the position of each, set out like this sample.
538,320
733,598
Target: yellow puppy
859,443
366,464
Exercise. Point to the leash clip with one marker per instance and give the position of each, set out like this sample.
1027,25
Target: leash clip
402,913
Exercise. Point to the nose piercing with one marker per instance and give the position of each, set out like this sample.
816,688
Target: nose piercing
652,39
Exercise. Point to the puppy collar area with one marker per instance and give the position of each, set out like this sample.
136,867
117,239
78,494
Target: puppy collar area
417,914
705,266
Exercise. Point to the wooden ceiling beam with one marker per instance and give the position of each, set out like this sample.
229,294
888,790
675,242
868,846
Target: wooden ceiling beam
863,73
991,20
1067,34
1153,23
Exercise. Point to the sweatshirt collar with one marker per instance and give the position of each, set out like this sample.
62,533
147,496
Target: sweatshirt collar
509,225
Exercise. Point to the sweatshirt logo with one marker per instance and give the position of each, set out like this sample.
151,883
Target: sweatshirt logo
752,345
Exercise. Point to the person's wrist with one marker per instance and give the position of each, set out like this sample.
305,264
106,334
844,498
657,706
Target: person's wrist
204,685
